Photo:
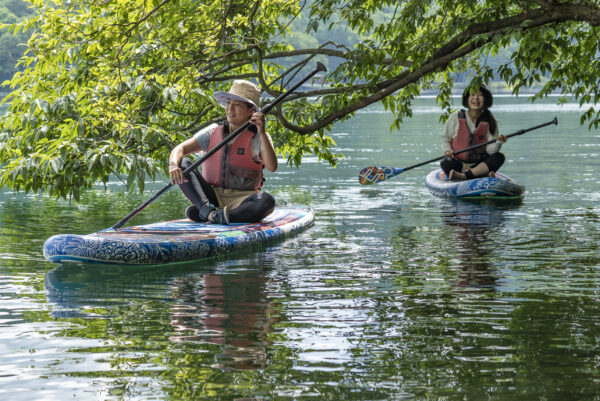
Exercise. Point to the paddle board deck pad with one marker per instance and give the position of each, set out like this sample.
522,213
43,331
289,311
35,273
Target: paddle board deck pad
501,186
175,241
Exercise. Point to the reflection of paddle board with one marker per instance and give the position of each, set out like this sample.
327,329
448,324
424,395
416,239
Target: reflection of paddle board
174,241
481,214
500,186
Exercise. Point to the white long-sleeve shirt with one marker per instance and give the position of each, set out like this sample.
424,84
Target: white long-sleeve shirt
451,130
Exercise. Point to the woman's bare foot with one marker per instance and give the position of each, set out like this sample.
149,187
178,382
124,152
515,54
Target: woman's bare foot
456,176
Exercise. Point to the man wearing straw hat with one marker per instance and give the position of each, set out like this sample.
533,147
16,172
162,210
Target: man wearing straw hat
229,187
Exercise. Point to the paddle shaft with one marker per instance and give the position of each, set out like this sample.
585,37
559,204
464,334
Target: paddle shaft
264,110
520,132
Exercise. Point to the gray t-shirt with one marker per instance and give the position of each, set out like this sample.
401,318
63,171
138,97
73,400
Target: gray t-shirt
203,139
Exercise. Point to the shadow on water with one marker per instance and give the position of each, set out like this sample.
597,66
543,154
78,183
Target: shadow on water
471,224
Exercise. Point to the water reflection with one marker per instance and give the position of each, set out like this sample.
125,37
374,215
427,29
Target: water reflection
220,310
472,224
366,303
229,309
79,290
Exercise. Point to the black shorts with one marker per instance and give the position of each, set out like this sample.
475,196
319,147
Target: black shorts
493,162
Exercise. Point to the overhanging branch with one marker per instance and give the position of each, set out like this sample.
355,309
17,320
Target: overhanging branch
472,38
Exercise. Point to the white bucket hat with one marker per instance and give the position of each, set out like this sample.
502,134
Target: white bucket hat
241,90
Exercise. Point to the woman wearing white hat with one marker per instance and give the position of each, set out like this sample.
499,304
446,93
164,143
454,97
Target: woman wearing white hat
229,187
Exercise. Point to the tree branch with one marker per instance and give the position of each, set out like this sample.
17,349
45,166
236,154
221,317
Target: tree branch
348,55
224,24
464,43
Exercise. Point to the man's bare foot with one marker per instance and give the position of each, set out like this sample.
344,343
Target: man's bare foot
456,176
492,174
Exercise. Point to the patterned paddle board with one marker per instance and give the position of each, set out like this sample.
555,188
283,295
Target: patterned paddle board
501,186
175,241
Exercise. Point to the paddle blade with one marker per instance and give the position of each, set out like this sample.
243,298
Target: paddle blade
372,175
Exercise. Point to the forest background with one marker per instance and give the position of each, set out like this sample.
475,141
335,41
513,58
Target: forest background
12,46
108,88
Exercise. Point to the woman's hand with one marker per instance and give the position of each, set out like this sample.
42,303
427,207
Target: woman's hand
183,149
502,138
258,119
449,154
176,174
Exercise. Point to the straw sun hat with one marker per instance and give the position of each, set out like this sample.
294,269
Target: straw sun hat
240,90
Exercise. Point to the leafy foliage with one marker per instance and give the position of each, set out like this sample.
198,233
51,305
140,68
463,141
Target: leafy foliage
110,87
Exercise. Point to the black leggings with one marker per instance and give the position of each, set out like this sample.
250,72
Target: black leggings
254,208
493,162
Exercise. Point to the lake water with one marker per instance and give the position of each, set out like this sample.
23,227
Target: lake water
392,294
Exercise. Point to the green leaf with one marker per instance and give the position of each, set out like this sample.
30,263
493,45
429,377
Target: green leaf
57,164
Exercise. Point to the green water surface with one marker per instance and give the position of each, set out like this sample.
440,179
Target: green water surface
392,294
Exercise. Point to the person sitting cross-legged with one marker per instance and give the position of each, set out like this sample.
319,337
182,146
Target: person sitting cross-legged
229,188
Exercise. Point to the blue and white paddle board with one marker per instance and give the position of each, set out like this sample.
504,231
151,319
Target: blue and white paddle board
175,241
501,186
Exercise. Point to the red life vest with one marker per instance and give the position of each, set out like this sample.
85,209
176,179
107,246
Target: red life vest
465,138
235,159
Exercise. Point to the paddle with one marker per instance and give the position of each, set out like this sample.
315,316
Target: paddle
264,110
372,175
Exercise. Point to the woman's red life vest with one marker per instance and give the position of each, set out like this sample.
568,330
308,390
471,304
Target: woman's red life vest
465,138
234,159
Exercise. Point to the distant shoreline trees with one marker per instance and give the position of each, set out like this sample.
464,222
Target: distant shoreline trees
12,46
